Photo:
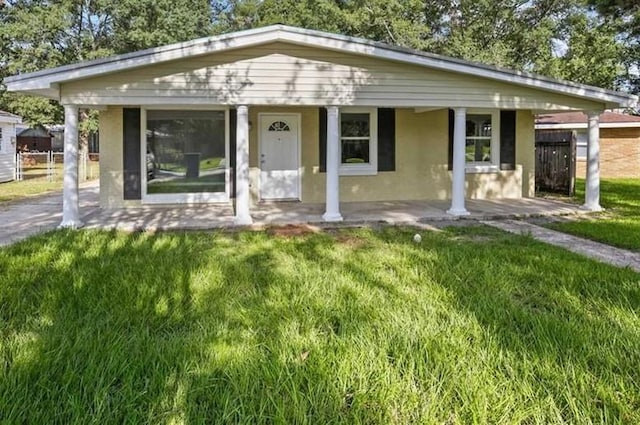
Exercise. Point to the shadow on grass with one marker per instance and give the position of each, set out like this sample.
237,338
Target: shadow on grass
561,311
88,321
111,328
352,326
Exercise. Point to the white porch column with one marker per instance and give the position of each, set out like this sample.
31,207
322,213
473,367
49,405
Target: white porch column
457,184
242,167
592,189
332,212
70,199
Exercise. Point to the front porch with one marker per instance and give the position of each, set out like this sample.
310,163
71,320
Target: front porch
328,192
202,217
283,113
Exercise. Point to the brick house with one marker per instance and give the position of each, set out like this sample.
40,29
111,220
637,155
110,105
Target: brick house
619,141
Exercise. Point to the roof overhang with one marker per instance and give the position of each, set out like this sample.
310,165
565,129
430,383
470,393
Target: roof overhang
10,118
46,82
579,126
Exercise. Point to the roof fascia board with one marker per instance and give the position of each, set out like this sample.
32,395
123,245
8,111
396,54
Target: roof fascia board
572,126
11,120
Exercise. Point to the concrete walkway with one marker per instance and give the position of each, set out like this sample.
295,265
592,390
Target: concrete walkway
598,251
41,213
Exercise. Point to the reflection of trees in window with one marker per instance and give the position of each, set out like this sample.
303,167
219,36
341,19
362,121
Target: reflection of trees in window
355,125
478,138
188,149
279,126
355,137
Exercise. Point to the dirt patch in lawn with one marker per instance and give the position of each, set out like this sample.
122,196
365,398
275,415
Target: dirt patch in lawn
292,230
347,239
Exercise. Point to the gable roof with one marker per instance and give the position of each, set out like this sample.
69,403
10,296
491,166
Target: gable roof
46,82
576,120
38,131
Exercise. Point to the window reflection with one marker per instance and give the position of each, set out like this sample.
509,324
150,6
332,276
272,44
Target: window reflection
355,137
478,138
185,151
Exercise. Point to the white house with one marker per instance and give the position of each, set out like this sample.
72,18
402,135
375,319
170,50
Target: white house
283,113
8,145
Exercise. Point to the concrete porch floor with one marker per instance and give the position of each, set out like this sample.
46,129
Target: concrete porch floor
195,217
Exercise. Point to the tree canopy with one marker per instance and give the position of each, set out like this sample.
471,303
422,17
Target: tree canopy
590,41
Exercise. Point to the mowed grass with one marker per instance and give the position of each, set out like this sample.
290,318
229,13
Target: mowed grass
619,224
14,190
348,326
36,181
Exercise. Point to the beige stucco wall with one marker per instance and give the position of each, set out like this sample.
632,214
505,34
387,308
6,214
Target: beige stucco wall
421,166
111,157
111,174
421,161
526,151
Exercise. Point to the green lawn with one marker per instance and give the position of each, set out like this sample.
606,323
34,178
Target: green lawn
35,181
619,225
14,190
206,164
353,326
210,183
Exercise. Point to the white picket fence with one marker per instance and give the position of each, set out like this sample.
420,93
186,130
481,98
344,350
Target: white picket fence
46,161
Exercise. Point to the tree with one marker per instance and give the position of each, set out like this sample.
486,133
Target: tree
593,55
544,36
39,34
624,17
590,41
141,24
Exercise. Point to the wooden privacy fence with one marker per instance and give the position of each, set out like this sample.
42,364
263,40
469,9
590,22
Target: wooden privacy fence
556,161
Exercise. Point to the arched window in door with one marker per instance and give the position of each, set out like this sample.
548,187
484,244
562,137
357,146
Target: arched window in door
279,126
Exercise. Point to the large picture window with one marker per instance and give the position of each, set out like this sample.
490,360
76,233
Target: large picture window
186,152
358,142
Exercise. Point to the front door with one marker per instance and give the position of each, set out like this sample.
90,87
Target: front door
279,156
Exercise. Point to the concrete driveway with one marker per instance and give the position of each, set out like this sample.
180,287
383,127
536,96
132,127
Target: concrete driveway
27,217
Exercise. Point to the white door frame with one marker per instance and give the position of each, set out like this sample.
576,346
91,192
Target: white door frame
297,117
